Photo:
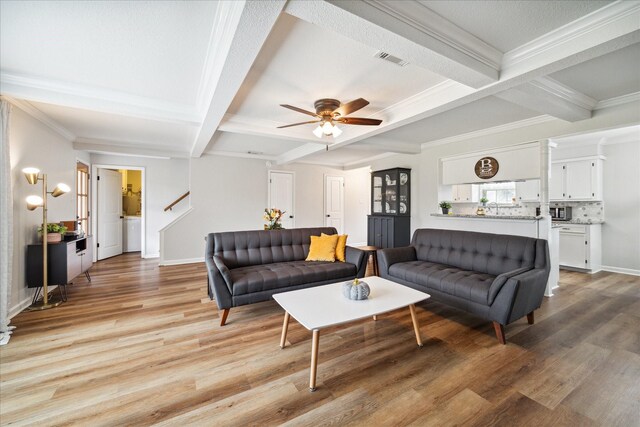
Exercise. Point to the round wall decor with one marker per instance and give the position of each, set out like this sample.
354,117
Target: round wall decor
486,168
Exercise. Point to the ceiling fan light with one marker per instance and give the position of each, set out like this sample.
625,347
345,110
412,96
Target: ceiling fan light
327,128
318,131
336,131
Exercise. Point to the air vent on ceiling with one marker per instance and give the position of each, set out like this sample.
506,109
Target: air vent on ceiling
255,153
388,57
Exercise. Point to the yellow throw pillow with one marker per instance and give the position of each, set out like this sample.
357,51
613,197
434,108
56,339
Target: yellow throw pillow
323,248
340,247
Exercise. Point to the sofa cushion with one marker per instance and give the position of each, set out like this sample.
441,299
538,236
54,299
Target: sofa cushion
323,248
257,278
492,254
466,284
245,248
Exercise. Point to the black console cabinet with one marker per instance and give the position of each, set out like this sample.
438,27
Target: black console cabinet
66,261
388,231
389,224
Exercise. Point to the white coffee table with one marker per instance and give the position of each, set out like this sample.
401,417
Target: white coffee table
323,306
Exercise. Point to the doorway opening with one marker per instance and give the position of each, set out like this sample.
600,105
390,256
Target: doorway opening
119,224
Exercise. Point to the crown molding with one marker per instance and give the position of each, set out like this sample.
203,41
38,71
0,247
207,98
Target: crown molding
235,123
419,17
610,19
550,97
410,31
489,131
43,118
566,93
239,154
226,20
125,148
618,100
96,99
362,162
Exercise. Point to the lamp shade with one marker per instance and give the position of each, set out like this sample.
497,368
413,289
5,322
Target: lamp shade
60,189
318,131
327,128
336,131
31,174
34,202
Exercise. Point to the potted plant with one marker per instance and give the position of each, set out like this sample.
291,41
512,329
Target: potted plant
445,206
54,232
484,201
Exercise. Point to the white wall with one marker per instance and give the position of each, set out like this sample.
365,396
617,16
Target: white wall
165,181
36,145
621,189
229,193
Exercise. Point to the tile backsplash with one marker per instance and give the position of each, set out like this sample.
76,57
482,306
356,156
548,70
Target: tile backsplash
582,212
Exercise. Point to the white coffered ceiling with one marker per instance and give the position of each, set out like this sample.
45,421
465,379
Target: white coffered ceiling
178,79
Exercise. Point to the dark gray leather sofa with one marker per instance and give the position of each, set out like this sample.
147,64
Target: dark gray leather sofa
245,267
497,277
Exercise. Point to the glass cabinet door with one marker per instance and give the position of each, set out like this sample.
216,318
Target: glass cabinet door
390,192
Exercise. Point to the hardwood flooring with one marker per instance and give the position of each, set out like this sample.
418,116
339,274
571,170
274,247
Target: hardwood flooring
142,345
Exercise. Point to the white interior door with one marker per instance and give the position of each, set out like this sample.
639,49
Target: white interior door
281,196
109,213
334,202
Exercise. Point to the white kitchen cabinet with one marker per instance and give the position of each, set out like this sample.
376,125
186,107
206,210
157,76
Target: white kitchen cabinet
528,191
556,184
581,246
464,193
576,179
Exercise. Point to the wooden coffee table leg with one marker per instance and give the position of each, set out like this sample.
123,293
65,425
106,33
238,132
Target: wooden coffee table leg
416,328
285,327
314,360
375,317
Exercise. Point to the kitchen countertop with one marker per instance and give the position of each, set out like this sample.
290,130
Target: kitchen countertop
579,221
505,217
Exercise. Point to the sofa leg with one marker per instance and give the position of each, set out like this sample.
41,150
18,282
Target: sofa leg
530,318
499,332
223,316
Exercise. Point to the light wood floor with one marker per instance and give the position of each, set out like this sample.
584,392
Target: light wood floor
141,345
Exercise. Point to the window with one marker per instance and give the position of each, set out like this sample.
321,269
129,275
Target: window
499,192
82,200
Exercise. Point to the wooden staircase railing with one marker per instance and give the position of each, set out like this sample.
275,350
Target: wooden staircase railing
176,201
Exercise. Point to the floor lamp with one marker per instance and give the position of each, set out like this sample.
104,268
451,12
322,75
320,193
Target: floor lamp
33,202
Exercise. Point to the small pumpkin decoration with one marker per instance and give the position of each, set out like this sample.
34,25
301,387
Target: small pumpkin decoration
355,290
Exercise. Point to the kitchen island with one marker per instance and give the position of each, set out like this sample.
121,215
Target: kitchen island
538,227
516,225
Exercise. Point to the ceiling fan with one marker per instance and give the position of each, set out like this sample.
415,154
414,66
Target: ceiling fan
329,112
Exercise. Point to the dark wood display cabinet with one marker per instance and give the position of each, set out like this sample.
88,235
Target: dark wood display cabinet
389,224
66,261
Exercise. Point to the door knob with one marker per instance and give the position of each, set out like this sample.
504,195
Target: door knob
328,215
290,216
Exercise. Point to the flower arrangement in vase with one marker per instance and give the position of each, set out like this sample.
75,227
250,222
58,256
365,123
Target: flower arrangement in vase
273,216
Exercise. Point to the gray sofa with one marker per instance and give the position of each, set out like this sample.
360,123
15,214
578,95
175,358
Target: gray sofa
245,267
497,277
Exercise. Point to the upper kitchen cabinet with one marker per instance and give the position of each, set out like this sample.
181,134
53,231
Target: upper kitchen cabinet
464,193
576,179
528,191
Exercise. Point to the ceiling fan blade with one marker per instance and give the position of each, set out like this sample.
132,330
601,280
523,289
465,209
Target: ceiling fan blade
359,121
298,124
351,107
299,110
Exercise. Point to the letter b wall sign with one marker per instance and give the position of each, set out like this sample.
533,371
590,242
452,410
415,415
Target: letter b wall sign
486,168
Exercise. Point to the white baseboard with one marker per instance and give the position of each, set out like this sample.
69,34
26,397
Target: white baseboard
630,271
149,256
181,261
16,309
